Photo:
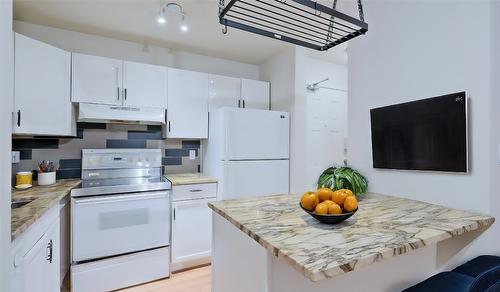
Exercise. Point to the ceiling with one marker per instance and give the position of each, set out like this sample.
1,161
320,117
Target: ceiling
135,20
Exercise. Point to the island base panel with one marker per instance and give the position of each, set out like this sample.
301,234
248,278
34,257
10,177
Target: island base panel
239,263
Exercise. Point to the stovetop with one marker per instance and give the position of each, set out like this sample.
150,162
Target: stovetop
120,171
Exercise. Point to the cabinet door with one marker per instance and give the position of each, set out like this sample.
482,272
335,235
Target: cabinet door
224,92
35,267
96,79
255,94
52,259
145,85
42,89
191,230
187,112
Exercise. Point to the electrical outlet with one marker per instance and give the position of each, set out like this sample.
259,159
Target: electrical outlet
16,156
192,154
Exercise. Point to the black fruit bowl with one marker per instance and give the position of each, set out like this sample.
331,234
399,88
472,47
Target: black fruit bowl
330,218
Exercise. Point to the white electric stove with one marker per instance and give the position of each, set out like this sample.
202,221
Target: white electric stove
120,222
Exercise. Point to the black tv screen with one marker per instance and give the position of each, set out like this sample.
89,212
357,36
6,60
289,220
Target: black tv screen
428,134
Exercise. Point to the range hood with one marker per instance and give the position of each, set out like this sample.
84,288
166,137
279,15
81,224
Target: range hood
101,113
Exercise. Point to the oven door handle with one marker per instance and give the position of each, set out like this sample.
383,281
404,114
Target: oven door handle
121,198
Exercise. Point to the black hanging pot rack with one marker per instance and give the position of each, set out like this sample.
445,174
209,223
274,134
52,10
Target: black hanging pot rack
301,22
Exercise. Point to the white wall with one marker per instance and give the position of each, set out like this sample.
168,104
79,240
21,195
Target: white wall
494,234
114,48
326,118
417,49
6,101
289,73
280,71
318,69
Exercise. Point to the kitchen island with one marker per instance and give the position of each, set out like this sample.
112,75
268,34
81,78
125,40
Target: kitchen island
270,244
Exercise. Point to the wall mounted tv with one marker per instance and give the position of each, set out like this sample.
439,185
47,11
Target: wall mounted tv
428,134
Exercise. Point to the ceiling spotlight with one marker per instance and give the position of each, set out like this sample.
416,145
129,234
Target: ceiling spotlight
184,26
162,18
172,8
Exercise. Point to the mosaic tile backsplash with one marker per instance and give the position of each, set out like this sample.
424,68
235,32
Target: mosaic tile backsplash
67,152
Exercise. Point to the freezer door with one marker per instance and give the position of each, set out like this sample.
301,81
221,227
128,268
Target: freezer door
255,134
254,178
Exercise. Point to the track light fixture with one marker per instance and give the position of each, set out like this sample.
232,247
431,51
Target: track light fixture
173,9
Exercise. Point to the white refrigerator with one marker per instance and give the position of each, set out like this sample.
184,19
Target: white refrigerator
248,151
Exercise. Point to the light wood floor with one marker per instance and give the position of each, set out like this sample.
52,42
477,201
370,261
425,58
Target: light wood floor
194,280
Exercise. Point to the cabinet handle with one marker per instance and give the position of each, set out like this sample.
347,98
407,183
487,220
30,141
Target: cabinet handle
50,249
169,126
125,94
243,103
239,102
195,191
118,93
19,118
174,213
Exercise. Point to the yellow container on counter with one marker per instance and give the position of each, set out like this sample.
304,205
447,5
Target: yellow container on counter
24,178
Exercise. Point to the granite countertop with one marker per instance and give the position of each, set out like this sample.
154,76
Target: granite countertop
44,197
190,178
383,227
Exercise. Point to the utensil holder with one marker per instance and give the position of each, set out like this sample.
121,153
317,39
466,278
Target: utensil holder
46,178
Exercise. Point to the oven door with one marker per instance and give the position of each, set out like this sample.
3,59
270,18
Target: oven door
109,225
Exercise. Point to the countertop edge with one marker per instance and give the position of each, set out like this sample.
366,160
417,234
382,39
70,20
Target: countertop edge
190,179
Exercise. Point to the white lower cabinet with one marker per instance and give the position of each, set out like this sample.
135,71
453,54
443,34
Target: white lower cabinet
52,259
35,264
192,228
35,256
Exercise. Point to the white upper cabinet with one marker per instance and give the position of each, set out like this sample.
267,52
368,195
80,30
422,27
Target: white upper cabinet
96,80
187,113
255,94
144,85
42,104
234,92
116,82
224,92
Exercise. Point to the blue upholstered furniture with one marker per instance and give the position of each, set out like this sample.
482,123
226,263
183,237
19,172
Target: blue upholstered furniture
481,274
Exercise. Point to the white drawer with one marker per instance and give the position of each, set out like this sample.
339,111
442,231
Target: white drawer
194,191
121,271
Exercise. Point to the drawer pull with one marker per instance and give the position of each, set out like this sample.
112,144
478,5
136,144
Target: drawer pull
195,191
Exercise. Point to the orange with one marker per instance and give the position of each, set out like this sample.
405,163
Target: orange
334,209
309,200
349,192
322,208
350,203
329,202
339,197
324,194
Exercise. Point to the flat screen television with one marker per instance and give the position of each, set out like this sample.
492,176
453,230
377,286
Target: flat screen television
428,134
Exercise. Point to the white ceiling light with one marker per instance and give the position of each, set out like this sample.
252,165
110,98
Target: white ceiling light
184,26
174,9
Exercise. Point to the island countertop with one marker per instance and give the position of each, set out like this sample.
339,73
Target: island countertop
44,197
383,227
